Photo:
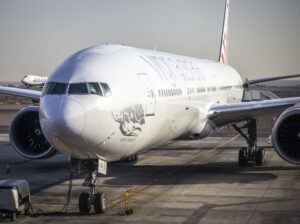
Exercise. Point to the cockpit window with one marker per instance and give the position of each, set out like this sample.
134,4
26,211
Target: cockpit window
94,88
78,88
105,89
55,88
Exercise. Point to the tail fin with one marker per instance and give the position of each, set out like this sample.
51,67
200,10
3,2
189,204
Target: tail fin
223,55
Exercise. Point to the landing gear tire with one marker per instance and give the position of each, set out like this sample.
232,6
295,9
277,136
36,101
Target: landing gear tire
260,157
100,203
252,153
26,210
243,161
133,158
13,216
84,204
87,199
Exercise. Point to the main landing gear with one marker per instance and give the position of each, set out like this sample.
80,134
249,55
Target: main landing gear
91,198
252,153
132,159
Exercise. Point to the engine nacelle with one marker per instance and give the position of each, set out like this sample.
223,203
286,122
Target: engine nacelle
286,135
27,137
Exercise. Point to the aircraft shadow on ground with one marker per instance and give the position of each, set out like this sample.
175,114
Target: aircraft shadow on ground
135,174
211,173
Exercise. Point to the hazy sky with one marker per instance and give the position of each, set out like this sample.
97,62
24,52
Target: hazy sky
37,35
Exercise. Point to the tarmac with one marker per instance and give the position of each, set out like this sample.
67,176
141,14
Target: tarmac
180,182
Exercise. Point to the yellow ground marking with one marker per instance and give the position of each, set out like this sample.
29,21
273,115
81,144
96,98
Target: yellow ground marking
220,129
225,143
130,194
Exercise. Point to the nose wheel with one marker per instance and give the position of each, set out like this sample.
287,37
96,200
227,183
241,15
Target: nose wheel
91,198
86,201
100,203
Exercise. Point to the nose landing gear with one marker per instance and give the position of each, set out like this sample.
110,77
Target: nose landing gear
252,153
87,200
91,198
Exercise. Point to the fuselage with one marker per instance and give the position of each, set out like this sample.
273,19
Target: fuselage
146,98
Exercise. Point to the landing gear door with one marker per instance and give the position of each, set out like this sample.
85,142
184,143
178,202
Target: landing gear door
149,93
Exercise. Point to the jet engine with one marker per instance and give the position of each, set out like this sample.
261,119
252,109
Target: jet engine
286,135
27,137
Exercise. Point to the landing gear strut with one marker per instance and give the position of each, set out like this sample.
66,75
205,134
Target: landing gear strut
87,199
132,159
252,153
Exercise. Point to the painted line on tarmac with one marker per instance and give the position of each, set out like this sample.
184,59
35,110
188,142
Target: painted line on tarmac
225,143
131,193
220,129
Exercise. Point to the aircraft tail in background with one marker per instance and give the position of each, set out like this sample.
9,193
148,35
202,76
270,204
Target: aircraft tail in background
223,55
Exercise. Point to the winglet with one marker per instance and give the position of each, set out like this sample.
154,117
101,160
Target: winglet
223,55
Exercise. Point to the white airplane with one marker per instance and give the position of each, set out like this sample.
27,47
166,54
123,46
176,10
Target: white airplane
109,102
32,80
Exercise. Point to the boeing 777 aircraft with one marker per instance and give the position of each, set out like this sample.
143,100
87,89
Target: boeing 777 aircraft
110,102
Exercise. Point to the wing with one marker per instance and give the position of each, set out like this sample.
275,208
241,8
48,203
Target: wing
236,112
31,94
255,81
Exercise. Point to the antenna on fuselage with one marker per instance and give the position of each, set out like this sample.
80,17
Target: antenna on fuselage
223,55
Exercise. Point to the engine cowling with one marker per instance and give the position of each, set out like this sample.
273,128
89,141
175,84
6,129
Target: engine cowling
27,137
286,135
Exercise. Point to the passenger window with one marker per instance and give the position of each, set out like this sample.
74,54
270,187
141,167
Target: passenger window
53,88
94,88
78,88
105,89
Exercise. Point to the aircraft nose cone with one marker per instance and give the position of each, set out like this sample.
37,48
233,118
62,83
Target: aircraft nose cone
72,115
63,121
66,115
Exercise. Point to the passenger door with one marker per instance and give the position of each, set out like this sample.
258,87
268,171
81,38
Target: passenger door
149,92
